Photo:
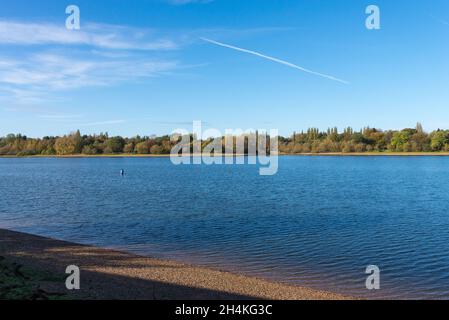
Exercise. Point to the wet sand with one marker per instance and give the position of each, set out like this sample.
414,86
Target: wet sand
110,274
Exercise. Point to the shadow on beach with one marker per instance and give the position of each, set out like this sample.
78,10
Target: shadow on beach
110,274
105,274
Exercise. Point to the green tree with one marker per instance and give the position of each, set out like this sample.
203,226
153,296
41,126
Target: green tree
142,148
439,139
115,144
89,150
64,146
77,141
400,140
129,148
156,149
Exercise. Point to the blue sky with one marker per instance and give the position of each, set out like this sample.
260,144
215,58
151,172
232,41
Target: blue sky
141,67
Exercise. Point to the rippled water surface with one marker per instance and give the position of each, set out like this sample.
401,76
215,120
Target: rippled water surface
319,222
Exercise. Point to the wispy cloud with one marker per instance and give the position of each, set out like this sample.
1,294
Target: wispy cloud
101,123
78,120
58,117
95,35
442,21
39,60
60,71
177,123
32,78
20,95
58,59
286,63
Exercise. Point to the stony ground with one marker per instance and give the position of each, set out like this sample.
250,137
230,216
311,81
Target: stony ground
34,267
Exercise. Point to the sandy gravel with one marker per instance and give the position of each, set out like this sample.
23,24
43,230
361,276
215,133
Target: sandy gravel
109,274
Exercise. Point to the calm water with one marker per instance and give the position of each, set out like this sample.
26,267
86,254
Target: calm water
319,222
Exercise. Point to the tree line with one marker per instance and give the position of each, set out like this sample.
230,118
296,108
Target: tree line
366,140
311,141
75,143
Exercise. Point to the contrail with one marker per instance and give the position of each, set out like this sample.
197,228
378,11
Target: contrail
291,65
439,20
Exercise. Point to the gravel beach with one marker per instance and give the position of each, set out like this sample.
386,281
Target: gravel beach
110,274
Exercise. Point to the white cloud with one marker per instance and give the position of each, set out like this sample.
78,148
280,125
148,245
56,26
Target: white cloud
39,60
35,77
21,96
95,35
54,58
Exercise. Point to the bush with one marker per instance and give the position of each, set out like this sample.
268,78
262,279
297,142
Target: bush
142,148
156,149
89,150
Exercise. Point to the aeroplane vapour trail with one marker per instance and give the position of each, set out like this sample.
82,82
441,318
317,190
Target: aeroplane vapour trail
291,65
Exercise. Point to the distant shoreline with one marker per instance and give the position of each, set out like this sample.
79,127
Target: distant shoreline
111,274
371,154
335,154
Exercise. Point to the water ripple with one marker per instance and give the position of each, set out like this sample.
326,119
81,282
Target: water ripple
319,222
